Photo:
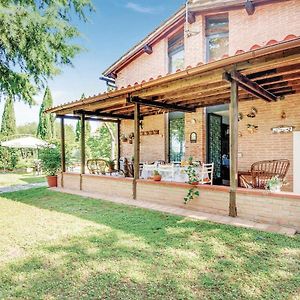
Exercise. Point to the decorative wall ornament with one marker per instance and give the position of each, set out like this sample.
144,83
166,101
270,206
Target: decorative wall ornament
253,113
150,132
193,137
252,128
240,116
240,134
283,129
283,115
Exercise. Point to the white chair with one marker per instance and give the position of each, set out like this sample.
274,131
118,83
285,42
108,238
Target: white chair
206,174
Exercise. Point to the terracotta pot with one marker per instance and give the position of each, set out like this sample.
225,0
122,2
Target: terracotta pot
194,183
52,181
157,177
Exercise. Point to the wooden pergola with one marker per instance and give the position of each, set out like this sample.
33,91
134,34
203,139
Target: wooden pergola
268,73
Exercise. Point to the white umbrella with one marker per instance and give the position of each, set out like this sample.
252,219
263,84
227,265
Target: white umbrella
25,142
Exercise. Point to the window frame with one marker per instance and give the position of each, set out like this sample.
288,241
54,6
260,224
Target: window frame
179,49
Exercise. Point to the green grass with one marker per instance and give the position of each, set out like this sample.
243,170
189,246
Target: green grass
10,179
58,246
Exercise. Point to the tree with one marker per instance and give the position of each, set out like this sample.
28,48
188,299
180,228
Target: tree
45,129
8,157
100,143
8,125
88,129
36,40
28,128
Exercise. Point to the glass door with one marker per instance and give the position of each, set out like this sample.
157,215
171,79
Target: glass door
214,147
176,137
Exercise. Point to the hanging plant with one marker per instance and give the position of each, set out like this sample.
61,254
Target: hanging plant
194,181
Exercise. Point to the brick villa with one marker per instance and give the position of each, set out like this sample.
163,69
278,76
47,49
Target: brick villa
184,77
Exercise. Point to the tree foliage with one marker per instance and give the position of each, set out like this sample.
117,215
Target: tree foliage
8,124
36,39
45,129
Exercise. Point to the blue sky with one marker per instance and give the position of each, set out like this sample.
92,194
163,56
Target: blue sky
114,28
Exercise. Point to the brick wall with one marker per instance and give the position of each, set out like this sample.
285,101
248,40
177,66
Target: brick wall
274,21
153,147
263,144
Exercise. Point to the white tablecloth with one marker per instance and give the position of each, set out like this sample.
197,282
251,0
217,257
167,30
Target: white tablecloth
169,172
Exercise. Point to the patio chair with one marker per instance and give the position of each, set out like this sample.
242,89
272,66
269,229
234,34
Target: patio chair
206,173
97,166
126,168
262,171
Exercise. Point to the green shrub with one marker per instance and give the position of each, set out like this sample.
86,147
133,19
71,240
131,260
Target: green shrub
50,158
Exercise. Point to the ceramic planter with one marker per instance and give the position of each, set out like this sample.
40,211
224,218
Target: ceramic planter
157,177
52,181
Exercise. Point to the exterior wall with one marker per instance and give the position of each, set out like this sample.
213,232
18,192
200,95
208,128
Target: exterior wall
153,147
145,66
273,21
105,186
211,199
263,144
195,122
282,209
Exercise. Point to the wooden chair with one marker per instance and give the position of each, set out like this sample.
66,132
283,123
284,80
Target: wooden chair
206,173
126,168
97,166
262,171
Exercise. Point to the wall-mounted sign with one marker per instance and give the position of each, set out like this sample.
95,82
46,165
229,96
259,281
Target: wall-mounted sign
193,137
283,129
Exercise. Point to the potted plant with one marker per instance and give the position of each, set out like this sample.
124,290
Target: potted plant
190,160
111,165
156,176
274,184
51,164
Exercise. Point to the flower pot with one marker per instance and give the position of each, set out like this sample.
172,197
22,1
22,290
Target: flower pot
52,181
157,177
275,189
195,183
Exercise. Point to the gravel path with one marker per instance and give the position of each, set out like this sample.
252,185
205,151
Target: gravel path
20,187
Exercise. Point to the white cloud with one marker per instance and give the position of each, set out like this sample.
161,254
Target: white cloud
143,9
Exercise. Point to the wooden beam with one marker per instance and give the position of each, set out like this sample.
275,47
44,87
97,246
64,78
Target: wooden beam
118,144
66,117
104,115
82,144
136,147
161,105
251,87
63,150
233,118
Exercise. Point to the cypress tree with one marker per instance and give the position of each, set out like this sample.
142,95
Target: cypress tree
88,128
46,130
8,125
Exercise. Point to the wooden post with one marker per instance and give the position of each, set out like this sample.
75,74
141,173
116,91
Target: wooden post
233,148
118,144
136,146
63,150
82,148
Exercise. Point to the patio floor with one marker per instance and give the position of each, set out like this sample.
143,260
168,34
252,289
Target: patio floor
187,213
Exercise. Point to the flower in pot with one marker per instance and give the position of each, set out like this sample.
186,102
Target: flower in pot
274,184
156,176
190,160
111,165
51,164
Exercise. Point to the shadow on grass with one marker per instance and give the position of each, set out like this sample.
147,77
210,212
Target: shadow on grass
150,255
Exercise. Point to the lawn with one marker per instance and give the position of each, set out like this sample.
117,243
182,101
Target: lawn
10,179
58,246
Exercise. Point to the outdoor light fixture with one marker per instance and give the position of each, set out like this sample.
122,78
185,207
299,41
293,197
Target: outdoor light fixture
250,7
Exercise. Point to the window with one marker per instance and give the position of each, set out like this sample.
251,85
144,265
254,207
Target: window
176,136
216,36
176,52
